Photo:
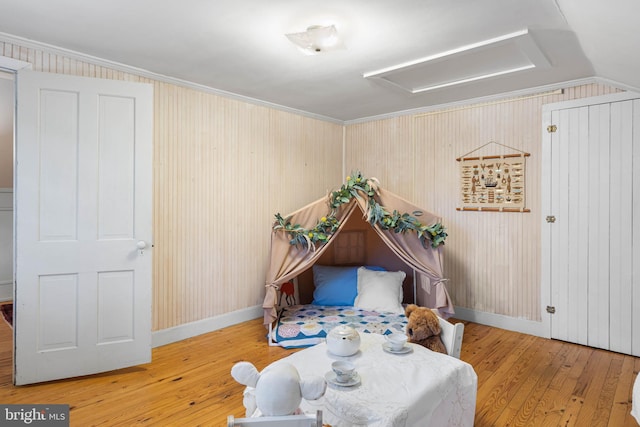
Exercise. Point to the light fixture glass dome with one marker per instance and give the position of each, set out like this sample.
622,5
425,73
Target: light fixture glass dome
317,39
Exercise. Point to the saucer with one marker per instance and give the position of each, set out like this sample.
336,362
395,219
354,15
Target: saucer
403,350
330,377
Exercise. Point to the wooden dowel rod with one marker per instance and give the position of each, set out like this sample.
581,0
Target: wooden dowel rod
494,209
505,156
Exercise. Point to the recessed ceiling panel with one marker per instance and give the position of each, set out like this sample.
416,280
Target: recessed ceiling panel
498,56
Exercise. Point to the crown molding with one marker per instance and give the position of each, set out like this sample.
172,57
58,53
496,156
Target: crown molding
32,44
483,100
14,64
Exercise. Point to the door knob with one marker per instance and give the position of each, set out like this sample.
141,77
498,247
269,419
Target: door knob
141,244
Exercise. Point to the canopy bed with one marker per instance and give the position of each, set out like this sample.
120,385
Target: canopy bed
355,256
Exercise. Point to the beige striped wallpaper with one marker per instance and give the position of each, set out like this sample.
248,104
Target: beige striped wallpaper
223,168
492,259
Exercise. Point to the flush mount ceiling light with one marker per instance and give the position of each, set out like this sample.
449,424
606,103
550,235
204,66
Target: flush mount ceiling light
317,39
501,55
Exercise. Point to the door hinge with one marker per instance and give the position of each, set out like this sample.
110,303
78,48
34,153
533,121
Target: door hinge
551,219
552,128
551,309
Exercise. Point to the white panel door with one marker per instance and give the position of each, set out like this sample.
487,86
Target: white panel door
83,226
595,240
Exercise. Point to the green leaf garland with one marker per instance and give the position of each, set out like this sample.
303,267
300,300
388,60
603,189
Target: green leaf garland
358,186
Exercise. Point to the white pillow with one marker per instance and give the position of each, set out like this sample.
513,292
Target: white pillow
380,290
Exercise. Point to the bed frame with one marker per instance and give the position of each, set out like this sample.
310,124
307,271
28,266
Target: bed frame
451,336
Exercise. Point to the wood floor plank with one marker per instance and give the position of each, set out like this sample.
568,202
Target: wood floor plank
494,390
488,354
550,404
522,381
521,407
590,385
562,398
621,408
606,398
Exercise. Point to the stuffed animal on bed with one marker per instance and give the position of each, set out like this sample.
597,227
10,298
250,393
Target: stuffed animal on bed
277,390
423,328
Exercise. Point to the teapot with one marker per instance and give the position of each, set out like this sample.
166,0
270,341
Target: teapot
343,340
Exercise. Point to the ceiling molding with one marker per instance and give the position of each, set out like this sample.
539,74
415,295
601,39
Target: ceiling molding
440,54
10,63
478,100
617,84
32,44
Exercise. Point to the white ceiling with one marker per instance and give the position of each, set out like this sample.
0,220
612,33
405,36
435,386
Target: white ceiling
239,46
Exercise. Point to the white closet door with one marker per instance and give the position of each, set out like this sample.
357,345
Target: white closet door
594,247
635,233
569,298
598,213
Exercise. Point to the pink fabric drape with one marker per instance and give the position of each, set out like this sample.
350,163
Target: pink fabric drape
426,261
288,261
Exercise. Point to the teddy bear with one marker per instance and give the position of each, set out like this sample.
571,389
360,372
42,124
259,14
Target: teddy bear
277,390
423,328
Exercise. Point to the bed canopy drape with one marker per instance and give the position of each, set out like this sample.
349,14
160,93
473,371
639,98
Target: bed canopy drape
287,261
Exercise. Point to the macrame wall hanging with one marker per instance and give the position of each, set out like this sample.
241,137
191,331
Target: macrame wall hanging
493,183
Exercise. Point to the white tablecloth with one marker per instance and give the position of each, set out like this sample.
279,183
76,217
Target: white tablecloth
418,389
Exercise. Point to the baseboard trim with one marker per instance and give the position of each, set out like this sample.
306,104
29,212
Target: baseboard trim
189,330
501,321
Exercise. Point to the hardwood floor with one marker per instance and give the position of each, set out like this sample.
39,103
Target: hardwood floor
530,381
522,381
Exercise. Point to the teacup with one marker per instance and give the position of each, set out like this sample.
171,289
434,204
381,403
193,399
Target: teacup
344,370
396,341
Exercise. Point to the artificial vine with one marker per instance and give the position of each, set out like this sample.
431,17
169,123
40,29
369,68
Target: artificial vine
356,186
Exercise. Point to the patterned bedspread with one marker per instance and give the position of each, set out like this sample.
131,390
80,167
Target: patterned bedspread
307,325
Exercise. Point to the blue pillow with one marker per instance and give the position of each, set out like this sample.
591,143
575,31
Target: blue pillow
336,285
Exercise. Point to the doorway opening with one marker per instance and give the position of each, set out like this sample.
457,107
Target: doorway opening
7,113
